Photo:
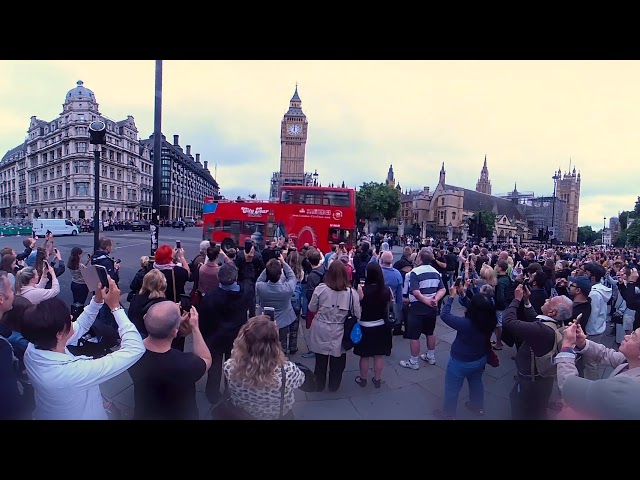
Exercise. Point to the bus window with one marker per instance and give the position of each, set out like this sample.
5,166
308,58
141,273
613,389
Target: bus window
217,225
234,226
286,197
338,199
313,198
249,228
338,235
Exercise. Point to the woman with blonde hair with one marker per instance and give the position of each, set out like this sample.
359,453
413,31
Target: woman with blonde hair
332,300
257,371
152,291
30,285
136,283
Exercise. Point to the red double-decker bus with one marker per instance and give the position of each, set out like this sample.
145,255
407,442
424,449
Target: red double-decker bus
319,216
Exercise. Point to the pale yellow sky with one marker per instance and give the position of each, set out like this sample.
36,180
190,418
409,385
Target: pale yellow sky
528,117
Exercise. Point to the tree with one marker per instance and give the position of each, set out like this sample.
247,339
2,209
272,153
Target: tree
375,200
636,209
623,220
587,235
633,232
487,222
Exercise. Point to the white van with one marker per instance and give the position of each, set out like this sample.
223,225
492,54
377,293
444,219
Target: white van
58,226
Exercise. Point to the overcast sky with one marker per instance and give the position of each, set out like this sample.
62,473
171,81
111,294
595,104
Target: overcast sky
529,118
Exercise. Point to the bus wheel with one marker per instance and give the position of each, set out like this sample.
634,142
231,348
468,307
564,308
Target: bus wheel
227,244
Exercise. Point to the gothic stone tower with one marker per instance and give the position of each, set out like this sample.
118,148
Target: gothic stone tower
568,189
293,140
484,184
391,179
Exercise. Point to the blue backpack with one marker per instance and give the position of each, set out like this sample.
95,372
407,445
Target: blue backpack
296,298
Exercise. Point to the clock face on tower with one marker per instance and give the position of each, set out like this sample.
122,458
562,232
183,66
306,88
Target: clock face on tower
294,129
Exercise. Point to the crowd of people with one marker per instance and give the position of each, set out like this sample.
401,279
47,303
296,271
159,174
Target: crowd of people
243,310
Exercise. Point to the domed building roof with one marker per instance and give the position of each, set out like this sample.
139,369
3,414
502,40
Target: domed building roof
80,93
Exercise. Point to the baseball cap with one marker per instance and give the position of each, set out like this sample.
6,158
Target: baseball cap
582,282
614,398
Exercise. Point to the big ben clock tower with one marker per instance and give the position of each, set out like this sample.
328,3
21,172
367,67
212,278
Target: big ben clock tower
293,140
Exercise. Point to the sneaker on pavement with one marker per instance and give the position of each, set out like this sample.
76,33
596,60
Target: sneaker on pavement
408,364
429,360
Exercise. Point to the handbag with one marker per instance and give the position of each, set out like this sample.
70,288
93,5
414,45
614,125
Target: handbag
350,323
226,410
390,319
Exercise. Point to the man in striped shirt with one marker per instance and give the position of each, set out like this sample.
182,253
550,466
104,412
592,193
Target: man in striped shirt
426,289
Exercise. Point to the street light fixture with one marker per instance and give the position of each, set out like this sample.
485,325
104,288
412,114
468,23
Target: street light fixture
315,178
97,137
556,176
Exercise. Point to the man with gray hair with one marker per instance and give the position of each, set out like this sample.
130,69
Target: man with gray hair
164,378
541,340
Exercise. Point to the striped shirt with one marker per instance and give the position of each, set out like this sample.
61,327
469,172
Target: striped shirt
426,279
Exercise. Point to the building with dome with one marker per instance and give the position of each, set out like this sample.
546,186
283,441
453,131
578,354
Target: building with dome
51,174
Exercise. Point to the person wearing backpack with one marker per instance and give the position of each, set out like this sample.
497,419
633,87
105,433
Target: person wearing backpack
541,337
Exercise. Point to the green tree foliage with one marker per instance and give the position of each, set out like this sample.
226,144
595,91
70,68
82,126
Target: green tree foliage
623,220
636,209
633,232
588,235
487,222
377,200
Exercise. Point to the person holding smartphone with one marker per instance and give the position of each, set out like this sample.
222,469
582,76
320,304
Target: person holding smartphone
30,285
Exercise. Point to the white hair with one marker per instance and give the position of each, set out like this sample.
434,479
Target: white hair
563,308
204,245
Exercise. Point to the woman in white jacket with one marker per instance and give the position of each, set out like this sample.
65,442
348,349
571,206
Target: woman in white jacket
31,286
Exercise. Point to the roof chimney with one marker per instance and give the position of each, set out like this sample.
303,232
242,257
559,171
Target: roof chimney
205,164
175,139
198,157
188,150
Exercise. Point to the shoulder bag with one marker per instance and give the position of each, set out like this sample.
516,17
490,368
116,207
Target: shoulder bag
390,319
352,332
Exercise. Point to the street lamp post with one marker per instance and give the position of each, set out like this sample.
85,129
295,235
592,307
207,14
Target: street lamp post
154,227
315,178
66,195
97,137
556,176
604,226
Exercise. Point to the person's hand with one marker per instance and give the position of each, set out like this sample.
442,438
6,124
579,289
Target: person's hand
432,302
58,255
633,277
97,295
581,337
453,291
116,266
569,336
112,297
193,318
33,242
281,258
526,293
518,294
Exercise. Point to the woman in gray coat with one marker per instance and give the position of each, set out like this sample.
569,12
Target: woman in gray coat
331,300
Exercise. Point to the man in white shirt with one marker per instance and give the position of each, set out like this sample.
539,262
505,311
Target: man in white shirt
68,387
597,323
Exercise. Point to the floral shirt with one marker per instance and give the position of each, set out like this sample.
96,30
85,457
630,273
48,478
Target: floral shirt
263,403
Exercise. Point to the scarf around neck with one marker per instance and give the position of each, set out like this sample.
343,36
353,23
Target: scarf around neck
165,266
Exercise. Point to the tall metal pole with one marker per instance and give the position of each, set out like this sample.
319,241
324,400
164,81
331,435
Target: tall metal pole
96,195
154,227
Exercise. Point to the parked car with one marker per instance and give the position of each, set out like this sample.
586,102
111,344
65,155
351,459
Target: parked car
190,221
139,226
177,224
199,223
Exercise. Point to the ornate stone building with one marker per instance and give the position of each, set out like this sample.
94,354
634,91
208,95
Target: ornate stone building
52,174
293,142
519,215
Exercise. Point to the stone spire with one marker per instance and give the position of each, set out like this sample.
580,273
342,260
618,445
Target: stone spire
484,184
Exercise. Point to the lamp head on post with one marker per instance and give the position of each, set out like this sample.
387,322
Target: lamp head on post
98,133
315,178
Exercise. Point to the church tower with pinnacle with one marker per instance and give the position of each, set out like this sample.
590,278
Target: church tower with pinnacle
391,180
484,184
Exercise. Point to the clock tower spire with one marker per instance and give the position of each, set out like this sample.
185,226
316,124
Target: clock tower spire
293,141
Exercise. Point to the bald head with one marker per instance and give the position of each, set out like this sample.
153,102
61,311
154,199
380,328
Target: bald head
386,258
503,255
162,320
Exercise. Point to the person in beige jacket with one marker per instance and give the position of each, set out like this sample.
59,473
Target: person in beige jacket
31,286
332,300
625,361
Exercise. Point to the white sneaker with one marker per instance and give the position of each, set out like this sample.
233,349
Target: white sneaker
408,364
429,360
